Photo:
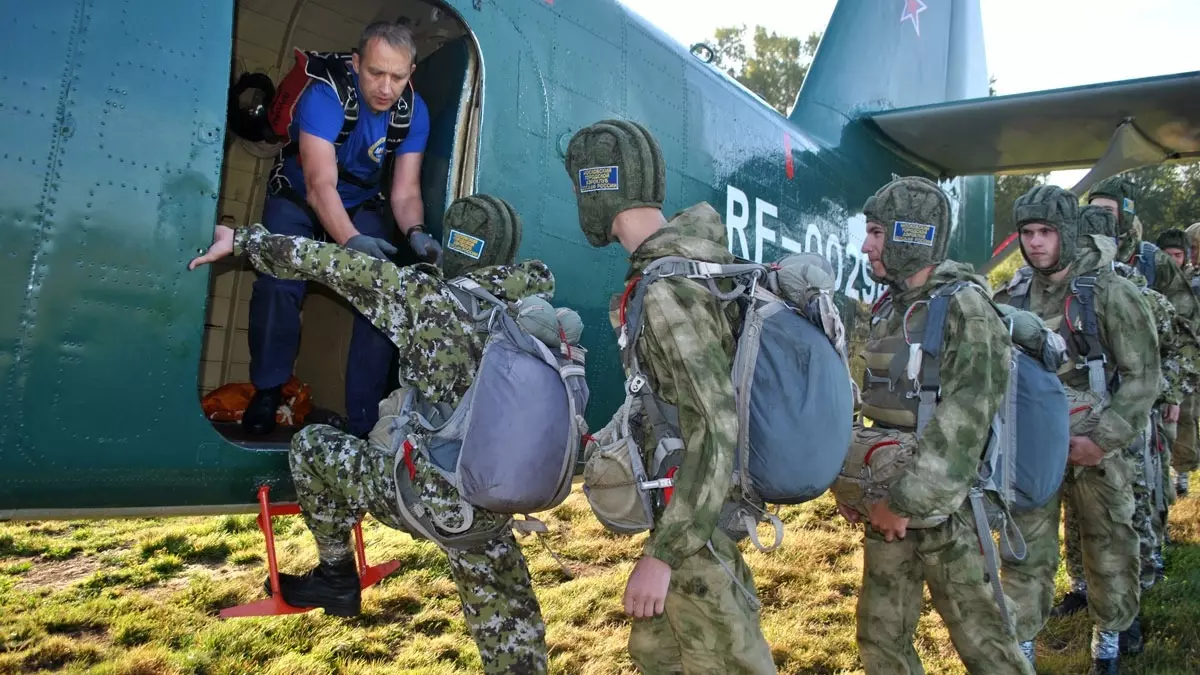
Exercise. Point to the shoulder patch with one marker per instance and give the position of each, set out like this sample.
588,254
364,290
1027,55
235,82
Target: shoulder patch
599,178
463,243
913,233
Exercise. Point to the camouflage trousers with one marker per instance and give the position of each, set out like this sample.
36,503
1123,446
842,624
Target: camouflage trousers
1103,499
708,625
1184,454
339,478
948,559
1145,513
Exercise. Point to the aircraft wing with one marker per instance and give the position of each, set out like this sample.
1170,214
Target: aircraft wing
1055,129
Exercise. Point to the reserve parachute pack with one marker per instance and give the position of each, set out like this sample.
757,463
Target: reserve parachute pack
792,388
511,445
1023,463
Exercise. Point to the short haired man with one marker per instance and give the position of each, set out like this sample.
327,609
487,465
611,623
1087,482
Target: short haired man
324,186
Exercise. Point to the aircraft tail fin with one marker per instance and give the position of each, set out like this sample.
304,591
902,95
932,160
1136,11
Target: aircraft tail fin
884,54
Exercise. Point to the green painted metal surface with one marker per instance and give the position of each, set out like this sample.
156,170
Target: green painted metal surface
111,144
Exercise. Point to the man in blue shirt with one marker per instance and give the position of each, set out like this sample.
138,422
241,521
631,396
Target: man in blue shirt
327,184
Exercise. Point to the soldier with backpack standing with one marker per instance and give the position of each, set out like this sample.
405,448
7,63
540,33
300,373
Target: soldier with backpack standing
691,594
1115,359
1162,274
340,477
1178,351
908,223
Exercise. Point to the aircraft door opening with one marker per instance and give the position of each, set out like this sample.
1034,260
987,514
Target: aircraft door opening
448,79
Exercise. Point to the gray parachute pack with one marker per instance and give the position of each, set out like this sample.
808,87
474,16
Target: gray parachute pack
511,445
792,388
1026,455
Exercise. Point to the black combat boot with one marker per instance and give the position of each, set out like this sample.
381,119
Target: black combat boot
334,587
259,417
1131,640
1072,602
1104,667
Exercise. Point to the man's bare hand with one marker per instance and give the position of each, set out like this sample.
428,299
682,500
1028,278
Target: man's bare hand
1171,414
849,513
646,591
1084,452
883,521
222,246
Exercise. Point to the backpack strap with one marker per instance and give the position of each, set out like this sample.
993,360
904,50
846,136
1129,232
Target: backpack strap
930,385
1083,290
477,302
1018,288
1146,263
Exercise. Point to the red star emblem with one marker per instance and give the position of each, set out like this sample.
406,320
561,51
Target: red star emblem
912,8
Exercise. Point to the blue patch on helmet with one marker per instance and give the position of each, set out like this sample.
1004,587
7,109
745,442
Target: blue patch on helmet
599,178
463,243
913,233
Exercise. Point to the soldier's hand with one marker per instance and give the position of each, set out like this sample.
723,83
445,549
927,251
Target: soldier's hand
373,246
1171,416
883,521
222,246
849,513
424,245
1084,452
646,591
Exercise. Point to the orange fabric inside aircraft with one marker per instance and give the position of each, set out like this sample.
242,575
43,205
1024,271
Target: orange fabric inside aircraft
227,402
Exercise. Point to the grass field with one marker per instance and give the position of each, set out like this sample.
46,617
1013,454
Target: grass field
137,597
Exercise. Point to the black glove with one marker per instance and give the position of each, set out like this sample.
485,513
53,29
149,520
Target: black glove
374,246
424,245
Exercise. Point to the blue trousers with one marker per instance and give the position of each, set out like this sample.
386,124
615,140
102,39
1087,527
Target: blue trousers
275,322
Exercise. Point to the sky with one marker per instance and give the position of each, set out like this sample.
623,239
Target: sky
1031,45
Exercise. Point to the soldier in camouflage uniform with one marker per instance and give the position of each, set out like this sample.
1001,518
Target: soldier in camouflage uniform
691,594
1098,482
339,477
1178,351
1117,195
908,223
1186,244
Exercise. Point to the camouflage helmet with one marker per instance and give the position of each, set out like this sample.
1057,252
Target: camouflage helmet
1121,190
480,231
614,166
1057,208
1097,220
915,214
1173,238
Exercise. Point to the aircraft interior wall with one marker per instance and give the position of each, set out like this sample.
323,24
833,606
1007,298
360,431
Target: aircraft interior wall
264,35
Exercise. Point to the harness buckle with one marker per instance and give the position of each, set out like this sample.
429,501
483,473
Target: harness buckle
637,383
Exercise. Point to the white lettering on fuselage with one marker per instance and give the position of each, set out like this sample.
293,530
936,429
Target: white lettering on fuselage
837,237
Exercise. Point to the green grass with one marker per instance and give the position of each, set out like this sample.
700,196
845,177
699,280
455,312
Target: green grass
140,597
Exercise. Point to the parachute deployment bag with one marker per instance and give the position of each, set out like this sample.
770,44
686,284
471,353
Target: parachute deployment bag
791,388
1026,454
511,444
521,423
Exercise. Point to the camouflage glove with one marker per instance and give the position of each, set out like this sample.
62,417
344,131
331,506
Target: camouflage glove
373,246
424,245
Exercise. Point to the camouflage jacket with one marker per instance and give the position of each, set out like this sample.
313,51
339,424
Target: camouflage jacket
439,350
1177,344
1124,318
974,374
686,352
1168,280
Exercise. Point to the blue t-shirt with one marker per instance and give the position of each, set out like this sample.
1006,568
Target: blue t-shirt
319,113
